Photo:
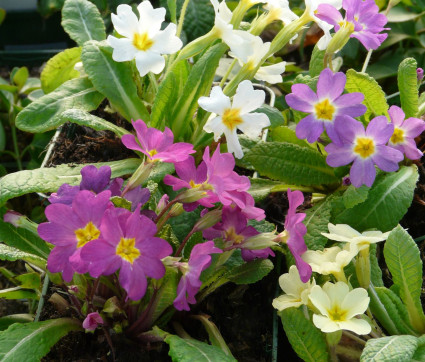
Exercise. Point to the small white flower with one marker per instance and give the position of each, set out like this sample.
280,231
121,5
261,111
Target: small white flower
227,118
331,260
250,51
222,26
311,7
279,10
143,39
296,292
346,234
338,307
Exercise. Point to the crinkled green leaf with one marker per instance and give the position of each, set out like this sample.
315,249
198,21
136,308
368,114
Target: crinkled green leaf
306,340
113,79
29,280
355,195
316,61
166,293
261,188
50,179
29,342
404,262
262,226
291,163
12,254
43,114
163,100
394,348
375,269
374,95
420,351
189,350
387,201
84,118
275,116
408,86
199,18
59,69
31,246
250,272
82,21
286,134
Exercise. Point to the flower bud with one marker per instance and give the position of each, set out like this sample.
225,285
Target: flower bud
208,220
260,241
92,321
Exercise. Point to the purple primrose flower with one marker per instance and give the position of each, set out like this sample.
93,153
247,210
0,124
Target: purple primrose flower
72,227
325,106
362,16
157,145
365,148
405,130
127,243
92,321
189,284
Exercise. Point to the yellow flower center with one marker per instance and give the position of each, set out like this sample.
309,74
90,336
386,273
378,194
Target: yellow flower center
231,118
337,315
142,41
324,110
153,152
86,234
193,184
365,147
233,236
126,250
397,137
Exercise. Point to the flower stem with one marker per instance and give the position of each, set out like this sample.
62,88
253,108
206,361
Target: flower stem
182,15
42,298
179,250
164,210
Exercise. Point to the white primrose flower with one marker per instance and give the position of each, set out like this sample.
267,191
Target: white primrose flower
143,39
279,10
222,26
228,117
250,51
339,307
346,234
311,6
296,292
331,260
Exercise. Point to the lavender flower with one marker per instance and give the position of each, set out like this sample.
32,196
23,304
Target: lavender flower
92,321
325,106
365,149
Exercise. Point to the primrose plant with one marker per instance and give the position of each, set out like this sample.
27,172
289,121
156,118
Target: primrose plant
128,245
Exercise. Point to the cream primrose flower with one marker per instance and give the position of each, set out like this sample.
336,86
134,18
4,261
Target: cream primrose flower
279,10
310,7
339,307
346,234
250,52
222,27
331,260
296,292
143,39
227,118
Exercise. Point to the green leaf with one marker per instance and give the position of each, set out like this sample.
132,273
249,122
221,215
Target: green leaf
166,293
199,18
420,351
286,134
354,196
250,272
13,254
59,69
163,100
316,221
2,15
31,341
387,307
408,86
291,163
400,14
23,240
113,79
374,95
261,188
189,350
8,320
82,21
316,61
387,201
17,293
306,340
375,269
29,280
404,262
20,77
42,114
198,84
275,116
394,348
50,179
84,118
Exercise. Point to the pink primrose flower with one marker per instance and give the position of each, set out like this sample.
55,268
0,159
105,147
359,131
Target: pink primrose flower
127,243
92,321
189,285
325,106
157,145
72,227
365,149
364,18
405,131
295,231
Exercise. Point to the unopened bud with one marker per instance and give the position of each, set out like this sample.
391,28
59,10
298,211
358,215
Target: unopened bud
208,220
176,210
260,241
20,221
420,74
